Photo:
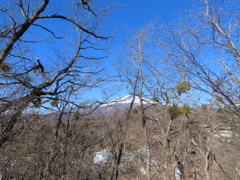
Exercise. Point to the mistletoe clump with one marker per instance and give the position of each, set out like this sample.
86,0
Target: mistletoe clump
183,87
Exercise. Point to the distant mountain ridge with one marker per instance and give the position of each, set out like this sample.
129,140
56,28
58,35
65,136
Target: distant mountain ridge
119,104
127,100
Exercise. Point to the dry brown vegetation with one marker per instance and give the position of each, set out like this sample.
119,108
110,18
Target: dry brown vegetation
47,151
179,66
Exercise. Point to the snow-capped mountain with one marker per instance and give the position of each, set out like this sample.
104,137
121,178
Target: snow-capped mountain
119,104
127,100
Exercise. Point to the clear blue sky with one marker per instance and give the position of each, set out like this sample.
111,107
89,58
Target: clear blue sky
134,14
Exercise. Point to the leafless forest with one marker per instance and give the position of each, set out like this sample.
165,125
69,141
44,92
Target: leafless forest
180,121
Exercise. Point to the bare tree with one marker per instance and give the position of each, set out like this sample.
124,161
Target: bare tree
135,77
207,41
148,76
204,47
31,80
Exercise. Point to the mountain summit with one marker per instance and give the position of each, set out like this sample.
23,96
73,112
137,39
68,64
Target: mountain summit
127,100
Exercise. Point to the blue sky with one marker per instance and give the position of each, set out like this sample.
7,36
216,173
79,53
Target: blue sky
128,16
125,16
136,13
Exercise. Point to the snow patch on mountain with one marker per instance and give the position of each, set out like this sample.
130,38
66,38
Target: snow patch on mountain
125,100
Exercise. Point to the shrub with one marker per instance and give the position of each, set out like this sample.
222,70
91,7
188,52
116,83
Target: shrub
54,103
175,111
184,124
186,109
183,87
135,111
